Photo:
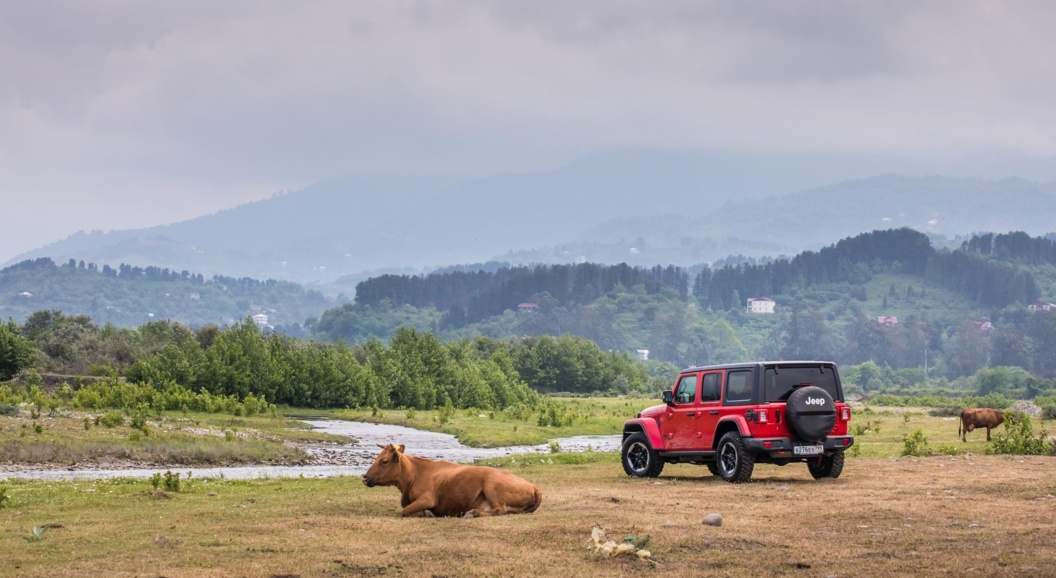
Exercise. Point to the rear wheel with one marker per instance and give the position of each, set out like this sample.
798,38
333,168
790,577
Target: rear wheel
639,458
735,462
826,466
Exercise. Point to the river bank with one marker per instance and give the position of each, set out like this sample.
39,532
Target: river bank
325,458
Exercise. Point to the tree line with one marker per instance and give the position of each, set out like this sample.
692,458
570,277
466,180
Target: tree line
471,296
413,369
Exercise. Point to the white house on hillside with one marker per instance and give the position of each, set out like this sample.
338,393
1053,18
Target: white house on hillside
260,319
760,305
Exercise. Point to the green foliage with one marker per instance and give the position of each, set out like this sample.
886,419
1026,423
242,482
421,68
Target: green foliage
16,352
4,498
1017,437
992,400
110,419
915,444
38,534
170,481
556,415
446,412
8,410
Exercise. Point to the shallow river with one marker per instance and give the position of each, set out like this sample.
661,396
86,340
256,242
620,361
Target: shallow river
340,460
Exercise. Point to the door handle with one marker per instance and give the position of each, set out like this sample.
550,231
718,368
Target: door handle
691,414
713,412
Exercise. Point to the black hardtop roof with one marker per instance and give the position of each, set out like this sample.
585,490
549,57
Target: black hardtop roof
753,364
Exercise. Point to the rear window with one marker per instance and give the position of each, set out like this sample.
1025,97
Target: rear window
780,380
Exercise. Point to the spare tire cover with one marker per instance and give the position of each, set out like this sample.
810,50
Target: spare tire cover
811,413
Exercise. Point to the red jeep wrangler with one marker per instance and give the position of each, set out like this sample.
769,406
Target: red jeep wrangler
729,417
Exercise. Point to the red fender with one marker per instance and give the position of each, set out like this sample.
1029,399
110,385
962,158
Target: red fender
739,421
652,431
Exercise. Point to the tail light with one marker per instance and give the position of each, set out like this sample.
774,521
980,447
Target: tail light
763,416
845,413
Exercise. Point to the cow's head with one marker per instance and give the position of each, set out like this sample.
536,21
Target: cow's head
386,468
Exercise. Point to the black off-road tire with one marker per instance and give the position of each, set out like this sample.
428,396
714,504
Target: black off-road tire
735,462
811,413
826,466
639,458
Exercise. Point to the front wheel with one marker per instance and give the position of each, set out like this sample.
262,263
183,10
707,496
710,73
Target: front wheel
639,458
826,466
734,460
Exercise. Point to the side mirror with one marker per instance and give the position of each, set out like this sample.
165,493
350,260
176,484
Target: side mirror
668,397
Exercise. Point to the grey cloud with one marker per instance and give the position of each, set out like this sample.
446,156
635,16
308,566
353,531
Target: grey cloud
206,101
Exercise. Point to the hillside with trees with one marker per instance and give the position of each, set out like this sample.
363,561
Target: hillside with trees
128,296
886,297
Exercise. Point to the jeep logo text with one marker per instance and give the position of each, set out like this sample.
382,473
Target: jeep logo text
815,401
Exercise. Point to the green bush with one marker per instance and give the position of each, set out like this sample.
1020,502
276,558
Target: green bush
110,419
4,498
1017,437
8,410
915,444
171,481
1048,412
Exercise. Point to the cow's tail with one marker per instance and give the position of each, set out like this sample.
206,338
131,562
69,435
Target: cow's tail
960,422
536,500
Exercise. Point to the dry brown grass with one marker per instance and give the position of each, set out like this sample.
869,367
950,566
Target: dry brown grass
939,516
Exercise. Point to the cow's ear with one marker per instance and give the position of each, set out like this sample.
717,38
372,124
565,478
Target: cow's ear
382,446
399,449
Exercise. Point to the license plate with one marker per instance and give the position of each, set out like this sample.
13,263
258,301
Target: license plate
808,450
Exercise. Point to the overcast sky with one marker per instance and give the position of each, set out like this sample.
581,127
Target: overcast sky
123,114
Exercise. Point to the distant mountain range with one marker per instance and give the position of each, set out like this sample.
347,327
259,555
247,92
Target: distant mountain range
639,208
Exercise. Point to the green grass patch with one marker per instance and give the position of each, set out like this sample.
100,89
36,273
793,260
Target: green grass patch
553,418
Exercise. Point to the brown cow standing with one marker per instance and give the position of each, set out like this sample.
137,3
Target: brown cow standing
439,488
979,417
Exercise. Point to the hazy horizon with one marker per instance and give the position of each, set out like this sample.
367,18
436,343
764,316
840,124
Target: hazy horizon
121,115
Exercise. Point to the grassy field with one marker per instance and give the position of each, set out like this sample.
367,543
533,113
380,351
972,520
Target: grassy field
71,438
965,514
587,416
937,516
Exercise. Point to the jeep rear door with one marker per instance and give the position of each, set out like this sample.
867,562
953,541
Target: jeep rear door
710,402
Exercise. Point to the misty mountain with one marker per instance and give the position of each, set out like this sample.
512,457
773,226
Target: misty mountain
639,207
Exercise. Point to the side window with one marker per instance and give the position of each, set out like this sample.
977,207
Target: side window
687,389
738,386
709,389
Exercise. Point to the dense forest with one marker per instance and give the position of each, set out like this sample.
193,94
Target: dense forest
129,296
886,297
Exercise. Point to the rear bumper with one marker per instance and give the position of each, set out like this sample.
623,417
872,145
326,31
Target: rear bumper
783,448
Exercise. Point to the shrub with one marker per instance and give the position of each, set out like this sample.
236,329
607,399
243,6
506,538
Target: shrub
172,481
4,498
915,444
1048,412
110,419
8,410
138,420
1017,437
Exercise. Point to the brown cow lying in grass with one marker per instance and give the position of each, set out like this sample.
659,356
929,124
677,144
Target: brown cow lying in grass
979,417
439,488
